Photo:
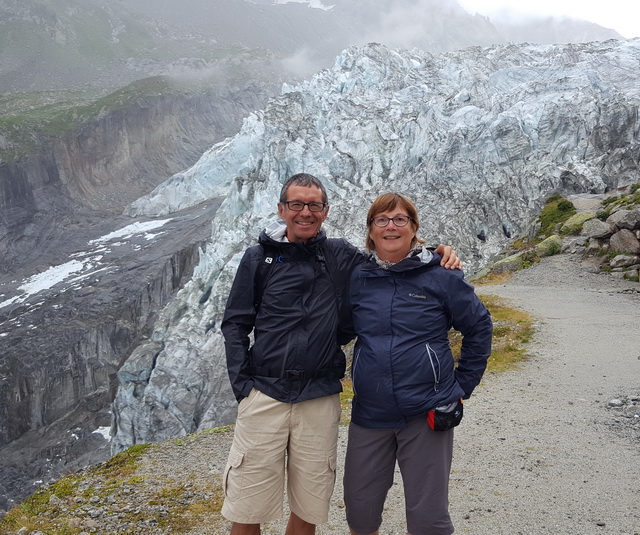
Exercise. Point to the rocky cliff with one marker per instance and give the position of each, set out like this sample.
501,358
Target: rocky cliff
93,171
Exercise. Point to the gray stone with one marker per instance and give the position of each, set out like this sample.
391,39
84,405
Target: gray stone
631,220
575,245
617,216
575,223
594,228
549,246
624,261
596,245
625,241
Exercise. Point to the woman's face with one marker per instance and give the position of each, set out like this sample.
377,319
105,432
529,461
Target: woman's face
392,242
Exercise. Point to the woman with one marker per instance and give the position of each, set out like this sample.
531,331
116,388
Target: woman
402,304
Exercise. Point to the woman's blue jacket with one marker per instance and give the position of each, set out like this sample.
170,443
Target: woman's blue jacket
403,365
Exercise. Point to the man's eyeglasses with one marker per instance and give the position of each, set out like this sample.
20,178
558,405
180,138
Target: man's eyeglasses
298,206
398,221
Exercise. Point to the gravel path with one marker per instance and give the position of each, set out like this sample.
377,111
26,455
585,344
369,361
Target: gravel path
539,451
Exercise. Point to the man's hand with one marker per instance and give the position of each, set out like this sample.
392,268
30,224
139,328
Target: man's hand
450,259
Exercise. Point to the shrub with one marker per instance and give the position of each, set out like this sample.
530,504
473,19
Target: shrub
557,209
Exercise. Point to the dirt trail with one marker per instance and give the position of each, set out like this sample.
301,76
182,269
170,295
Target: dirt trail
539,451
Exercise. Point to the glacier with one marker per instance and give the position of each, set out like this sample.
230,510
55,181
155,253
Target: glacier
478,138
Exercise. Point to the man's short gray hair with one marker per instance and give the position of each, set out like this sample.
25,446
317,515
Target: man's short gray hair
306,180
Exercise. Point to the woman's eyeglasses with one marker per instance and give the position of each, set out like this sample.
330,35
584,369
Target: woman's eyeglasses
398,221
298,206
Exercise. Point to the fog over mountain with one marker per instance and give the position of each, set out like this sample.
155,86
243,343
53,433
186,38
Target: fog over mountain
121,220
97,43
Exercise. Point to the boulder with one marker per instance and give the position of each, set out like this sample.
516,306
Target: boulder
549,246
625,241
630,220
594,228
574,224
622,260
616,217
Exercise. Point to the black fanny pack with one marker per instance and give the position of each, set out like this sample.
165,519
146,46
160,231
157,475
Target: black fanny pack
445,418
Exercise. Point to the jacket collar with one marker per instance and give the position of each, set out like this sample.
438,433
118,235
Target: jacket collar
275,234
423,259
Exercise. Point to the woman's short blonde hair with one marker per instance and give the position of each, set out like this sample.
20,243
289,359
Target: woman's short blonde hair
385,203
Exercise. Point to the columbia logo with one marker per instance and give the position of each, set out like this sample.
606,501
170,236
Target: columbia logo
418,296
268,260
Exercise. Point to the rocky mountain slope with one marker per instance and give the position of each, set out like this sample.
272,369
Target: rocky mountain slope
60,350
92,172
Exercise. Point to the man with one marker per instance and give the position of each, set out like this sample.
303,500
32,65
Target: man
288,382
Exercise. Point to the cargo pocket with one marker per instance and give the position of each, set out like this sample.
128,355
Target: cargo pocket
331,475
233,474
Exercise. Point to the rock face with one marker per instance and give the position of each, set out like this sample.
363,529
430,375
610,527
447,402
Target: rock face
479,139
57,381
92,174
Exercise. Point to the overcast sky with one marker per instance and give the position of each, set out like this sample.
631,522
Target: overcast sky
620,15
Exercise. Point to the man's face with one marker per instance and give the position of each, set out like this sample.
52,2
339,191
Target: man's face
304,225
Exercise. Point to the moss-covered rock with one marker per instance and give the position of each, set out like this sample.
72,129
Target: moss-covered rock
573,225
549,246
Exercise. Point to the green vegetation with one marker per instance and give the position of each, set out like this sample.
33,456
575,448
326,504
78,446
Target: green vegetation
39,511
558,217
556,210
623,200
512,330
632,277
55,509
345,400
30,120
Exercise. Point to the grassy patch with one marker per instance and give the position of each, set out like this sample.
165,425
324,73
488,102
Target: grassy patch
512,331
494,278
556,210
180,516
59,509
50,508
29,121
122,464
345,401
624,200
